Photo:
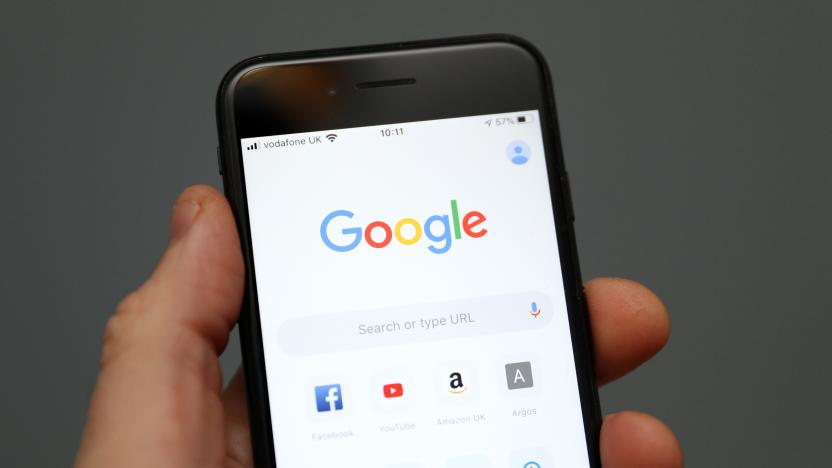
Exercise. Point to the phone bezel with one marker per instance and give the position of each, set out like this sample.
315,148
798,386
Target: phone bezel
458,93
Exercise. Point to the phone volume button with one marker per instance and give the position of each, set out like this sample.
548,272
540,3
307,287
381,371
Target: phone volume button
219,161
567,194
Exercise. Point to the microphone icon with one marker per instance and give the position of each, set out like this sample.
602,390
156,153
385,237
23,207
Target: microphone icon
535,311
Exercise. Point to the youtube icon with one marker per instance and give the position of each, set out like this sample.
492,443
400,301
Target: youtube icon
393,390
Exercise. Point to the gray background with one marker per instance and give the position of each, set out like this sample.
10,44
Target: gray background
697,135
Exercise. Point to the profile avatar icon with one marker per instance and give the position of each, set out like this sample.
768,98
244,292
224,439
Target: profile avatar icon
518,152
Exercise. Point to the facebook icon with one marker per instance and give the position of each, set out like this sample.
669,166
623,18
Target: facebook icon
328,398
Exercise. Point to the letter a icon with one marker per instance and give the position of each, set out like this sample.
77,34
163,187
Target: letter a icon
519,375
456,383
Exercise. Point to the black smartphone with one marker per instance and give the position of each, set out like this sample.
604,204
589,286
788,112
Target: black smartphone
413,292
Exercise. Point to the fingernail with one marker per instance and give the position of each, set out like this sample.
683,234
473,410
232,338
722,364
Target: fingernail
184,213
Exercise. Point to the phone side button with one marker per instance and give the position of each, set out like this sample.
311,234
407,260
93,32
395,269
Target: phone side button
567,193
219,160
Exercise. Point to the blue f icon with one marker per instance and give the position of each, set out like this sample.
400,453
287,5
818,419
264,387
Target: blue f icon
328,398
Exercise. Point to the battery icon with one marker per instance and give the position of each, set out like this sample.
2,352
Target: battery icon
523,118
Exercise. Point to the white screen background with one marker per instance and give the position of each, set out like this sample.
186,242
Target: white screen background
416,174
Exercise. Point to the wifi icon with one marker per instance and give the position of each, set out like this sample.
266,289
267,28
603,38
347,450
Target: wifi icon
331,137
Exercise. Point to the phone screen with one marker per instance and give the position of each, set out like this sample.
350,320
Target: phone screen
411,296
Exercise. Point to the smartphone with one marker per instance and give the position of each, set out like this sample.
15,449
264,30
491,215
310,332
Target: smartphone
413,293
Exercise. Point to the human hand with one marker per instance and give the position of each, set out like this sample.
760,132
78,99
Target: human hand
159,403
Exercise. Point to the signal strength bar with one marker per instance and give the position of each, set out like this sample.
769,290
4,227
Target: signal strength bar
251,147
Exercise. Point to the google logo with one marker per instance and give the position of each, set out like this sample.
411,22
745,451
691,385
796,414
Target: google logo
378,234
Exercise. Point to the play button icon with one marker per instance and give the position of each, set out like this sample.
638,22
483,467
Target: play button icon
393,390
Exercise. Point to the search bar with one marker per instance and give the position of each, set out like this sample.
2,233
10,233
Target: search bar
436,321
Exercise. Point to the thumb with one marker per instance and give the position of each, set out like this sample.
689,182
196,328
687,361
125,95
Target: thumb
157,398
